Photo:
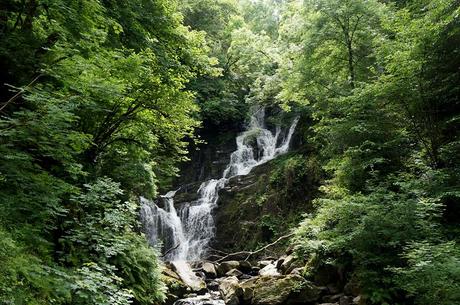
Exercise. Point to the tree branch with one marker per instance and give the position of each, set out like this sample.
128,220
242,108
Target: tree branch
18,94
251,253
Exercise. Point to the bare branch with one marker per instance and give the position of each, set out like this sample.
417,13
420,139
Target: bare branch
251,253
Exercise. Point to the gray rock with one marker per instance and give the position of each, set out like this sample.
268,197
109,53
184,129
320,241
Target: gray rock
209,270
234,272
245,266
289,264
226,266
357,300
230,290
188,277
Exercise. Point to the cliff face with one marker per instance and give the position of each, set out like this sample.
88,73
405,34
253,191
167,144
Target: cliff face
209,159
256,208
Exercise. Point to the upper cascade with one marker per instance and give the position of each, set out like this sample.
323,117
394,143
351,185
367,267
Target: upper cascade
186,233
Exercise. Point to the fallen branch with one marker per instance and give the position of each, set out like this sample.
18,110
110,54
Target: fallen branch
170,250
251,253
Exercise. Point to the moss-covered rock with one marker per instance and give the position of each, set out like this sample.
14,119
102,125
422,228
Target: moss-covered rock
176,289
257,208
277,290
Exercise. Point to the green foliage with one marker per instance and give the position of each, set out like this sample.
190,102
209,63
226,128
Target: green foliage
96,94
25,279
385,128
363,228
296,175
98,285
433,273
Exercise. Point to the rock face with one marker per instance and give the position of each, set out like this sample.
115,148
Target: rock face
210,160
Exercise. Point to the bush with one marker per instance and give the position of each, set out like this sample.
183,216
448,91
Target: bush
368,233
432,275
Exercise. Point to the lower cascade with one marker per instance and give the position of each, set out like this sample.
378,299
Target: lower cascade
185,233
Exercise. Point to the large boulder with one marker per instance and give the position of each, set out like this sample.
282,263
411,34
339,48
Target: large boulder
230,290
209,270
226,266
245,266
176,289
187,276
277,290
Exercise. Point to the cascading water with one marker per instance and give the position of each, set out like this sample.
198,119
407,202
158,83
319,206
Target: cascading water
186,233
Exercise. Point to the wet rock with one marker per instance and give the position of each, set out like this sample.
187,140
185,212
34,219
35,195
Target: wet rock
279,262
332,298
245,277
226,266
176,289
345,300
211,298
213,286
230,290
357,300
262,264
234,272
269,270
245,266
170,273
254,270
209,270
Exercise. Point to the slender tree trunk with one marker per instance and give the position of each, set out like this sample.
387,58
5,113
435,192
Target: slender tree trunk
351,68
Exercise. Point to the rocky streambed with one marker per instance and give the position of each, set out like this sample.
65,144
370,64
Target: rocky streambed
265,282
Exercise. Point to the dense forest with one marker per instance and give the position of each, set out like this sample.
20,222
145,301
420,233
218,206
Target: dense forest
104,101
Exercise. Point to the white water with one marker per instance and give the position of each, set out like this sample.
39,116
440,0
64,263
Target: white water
186,234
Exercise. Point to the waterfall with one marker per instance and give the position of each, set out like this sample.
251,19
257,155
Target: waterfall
186,233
